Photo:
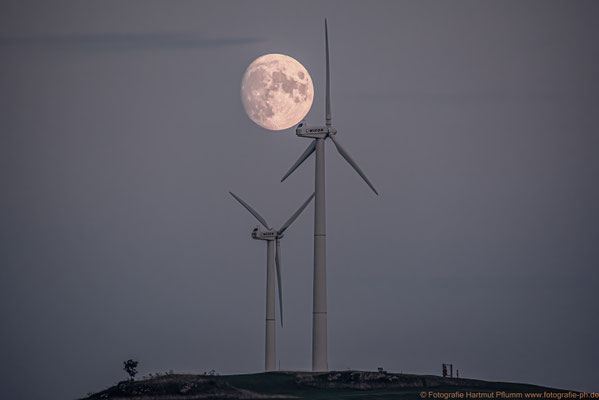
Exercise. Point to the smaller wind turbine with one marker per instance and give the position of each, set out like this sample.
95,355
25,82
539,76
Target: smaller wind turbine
272,237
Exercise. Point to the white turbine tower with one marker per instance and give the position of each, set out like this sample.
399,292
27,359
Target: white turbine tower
319,134
272,238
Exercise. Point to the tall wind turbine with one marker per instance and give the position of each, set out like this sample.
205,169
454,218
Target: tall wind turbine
319,134
272,237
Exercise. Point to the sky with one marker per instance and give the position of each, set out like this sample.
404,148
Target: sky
122,131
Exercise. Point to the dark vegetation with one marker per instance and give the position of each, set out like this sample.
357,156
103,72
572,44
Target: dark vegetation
130,368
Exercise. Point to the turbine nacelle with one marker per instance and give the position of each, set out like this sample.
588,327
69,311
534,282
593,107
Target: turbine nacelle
271,234
314,132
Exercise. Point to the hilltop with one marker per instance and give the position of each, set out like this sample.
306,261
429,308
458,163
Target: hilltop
308,385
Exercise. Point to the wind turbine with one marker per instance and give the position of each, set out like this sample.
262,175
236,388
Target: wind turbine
319,134
273,238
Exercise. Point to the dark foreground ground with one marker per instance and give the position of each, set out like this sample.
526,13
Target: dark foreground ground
331,385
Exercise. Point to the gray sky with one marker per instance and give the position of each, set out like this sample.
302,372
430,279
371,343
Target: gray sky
122,130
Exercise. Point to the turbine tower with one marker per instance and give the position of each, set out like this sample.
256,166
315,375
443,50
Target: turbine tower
319,134
273,238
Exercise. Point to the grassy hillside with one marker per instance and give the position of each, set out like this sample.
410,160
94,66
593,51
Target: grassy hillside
353,385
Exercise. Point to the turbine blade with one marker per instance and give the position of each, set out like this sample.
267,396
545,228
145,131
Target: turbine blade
302,158
279,278
297,213
251,210
351,162
328,89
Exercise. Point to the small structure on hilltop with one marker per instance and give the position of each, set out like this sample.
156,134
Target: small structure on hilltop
444,369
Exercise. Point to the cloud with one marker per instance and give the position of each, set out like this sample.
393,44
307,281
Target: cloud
122,42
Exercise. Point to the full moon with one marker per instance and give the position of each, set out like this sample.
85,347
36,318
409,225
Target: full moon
276,91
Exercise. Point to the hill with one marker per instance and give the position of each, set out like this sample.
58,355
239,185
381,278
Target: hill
353,385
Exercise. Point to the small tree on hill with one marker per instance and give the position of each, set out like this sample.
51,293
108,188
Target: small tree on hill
130,367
